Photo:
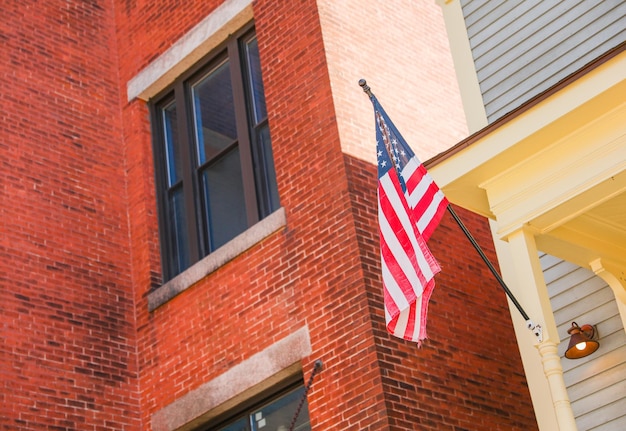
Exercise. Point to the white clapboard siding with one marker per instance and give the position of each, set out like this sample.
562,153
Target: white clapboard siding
611,418
596,384
523,47
580,390
597,400
588,309
576,291
616,423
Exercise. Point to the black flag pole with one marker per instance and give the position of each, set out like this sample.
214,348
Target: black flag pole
529,323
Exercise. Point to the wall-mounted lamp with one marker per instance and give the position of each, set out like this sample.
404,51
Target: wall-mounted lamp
582,342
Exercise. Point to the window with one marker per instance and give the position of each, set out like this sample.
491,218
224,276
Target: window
213,156
273,414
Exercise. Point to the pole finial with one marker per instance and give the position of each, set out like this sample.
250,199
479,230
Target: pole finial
366,88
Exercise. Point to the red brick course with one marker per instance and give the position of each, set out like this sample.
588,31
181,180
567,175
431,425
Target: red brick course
79,250
68,350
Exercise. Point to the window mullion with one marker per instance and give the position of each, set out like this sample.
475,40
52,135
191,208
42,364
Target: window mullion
188,172
243,133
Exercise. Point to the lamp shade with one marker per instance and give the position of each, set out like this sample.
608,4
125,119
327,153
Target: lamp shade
581,342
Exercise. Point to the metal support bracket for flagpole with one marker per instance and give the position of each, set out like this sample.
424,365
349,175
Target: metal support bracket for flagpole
317,367
536,329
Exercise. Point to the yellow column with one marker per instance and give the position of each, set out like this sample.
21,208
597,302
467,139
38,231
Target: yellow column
554,373
519,262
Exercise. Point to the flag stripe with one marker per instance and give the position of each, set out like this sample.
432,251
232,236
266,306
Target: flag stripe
402,274
407,242
436,209
413,329
424,197
422,311
394,302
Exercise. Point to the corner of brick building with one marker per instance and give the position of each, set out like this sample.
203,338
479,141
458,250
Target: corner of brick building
468,373
96,358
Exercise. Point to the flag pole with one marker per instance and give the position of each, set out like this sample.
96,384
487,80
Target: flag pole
487,262
529,323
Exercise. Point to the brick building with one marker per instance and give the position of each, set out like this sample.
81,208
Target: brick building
165,265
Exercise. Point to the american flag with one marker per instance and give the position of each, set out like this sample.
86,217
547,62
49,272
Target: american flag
410,206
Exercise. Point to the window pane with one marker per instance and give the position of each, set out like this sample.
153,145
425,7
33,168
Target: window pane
178,234
267,190
240,425
225,209
214,113
172,151
256,84
279,414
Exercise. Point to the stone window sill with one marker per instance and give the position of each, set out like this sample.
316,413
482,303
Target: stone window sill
219,257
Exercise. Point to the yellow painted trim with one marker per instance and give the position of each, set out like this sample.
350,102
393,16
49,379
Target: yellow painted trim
556,119
471,96
562,180
531,361
554,374
618,286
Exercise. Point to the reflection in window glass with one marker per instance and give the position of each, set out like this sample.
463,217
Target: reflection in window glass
224,200
277,415
267,189
176,199
179,233
214,113
213,156
256,84
265,176
172,152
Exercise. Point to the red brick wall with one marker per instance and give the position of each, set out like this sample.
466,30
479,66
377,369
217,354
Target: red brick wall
80,246
67,349
401,48
320,271
296,277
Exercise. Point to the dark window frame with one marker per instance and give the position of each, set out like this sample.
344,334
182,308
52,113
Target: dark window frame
255,175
